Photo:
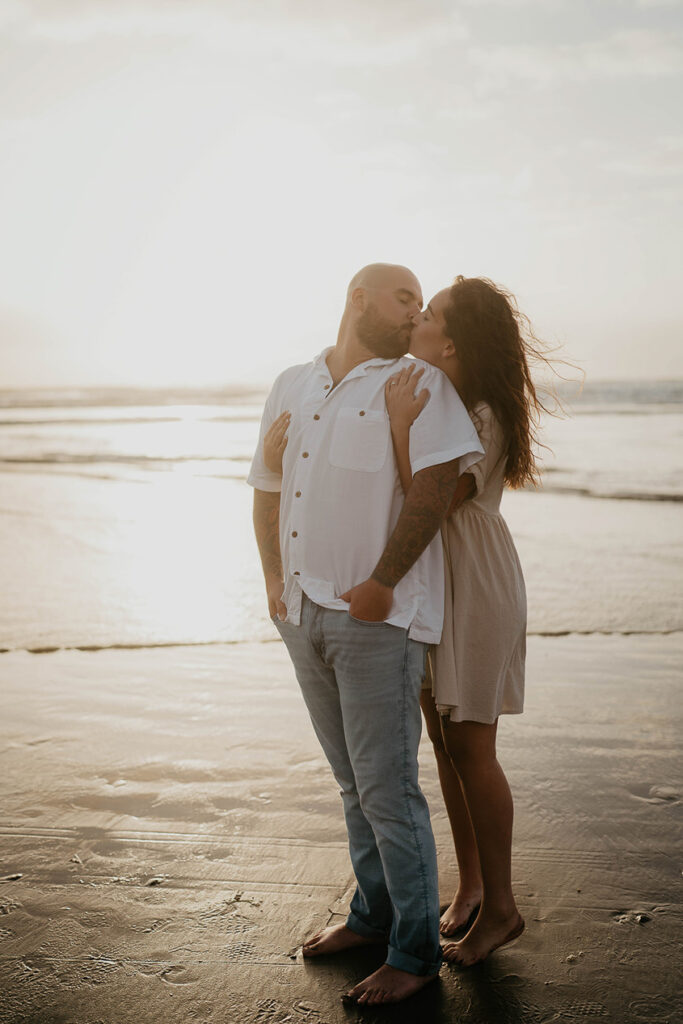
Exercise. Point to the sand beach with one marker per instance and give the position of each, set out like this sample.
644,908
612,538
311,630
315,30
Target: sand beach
169,830
170,834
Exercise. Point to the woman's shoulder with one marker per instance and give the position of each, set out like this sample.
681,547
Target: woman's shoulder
483,416
487,425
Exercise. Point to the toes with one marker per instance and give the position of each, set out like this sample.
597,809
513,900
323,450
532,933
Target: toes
311,948
370,997
454,955
451,952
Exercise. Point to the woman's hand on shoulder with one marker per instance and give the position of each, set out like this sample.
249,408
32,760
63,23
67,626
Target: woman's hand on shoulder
275,442
403,405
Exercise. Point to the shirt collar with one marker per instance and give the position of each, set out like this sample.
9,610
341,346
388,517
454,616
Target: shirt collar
361,369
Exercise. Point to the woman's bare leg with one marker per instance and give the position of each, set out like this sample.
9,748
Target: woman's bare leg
472,750
468,895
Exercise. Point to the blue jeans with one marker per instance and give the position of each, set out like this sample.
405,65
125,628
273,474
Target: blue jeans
361,682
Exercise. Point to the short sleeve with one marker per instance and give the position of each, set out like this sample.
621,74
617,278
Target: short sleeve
489,433
443,431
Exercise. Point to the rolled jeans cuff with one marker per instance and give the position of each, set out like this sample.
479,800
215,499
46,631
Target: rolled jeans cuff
355,924
411,964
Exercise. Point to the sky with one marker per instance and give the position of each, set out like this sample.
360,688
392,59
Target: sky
187,188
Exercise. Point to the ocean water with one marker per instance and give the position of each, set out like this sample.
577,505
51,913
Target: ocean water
125,519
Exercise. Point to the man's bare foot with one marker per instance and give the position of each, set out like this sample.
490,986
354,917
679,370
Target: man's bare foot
335,939
483,937
388,985
460,912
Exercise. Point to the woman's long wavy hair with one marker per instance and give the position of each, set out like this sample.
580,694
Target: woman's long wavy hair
494,344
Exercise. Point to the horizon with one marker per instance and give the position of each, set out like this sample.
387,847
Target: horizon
567,388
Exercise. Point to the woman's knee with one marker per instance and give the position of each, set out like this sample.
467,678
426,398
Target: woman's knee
433,724
469,745
436,738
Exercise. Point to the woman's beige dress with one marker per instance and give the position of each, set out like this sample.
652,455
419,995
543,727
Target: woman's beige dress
477,671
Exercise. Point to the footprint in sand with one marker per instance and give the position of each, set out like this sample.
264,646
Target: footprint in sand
178,976
9,906
655,794
631,916
666,794
174,974
654,1009
302,1012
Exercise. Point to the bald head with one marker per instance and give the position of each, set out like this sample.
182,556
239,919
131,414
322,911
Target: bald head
385,276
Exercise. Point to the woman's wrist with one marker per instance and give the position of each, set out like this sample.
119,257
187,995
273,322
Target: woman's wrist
400,428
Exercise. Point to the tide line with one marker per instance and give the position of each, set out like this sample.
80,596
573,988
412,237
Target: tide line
94,648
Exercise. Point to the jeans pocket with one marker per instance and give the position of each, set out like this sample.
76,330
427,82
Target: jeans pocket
367,622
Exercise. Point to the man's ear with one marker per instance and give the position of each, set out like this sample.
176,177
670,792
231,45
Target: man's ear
359,299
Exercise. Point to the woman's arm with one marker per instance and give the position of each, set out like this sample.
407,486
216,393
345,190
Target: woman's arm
404,406
400,437
275,442
464,490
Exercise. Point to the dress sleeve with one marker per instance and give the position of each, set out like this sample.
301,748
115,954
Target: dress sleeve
490,436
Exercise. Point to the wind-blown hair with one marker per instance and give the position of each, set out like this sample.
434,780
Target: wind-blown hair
494,344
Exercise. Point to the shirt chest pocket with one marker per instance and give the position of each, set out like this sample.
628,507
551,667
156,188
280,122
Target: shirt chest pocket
360,440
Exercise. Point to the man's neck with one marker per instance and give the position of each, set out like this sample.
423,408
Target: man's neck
346,355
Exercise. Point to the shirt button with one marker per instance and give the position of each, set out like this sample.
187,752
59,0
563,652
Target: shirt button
362,412
298,494
326,387
316,417
296,573
294,533
304,455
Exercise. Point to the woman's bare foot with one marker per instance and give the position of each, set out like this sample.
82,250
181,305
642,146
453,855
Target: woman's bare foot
388,985
484,936
335,939
460,911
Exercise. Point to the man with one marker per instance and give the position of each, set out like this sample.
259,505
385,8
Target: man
354,579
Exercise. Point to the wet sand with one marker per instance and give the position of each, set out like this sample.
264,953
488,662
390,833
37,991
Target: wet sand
178,834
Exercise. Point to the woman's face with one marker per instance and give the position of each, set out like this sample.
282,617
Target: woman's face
428,339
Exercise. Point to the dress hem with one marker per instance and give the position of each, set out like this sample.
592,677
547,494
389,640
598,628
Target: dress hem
446,711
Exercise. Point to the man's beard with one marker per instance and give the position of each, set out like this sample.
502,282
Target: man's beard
380,336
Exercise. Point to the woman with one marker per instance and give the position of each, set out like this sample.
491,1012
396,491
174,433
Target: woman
473,332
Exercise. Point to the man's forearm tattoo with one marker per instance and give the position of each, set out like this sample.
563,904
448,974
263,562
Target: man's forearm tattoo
267,530
425,506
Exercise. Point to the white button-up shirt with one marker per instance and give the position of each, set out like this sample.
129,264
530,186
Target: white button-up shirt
341,491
